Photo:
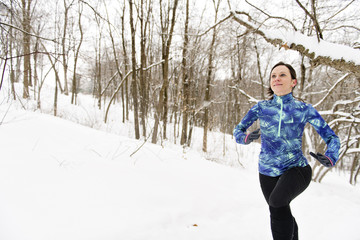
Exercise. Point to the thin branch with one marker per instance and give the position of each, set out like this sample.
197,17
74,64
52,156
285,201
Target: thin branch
342,26
275,17
212,27
145,140
340,10
121,83
93,9
3,74
23,55
313,18
344,120
251,99
108,84
34,35
4,116
332,89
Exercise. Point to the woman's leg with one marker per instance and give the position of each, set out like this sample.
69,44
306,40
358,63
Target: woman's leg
279,192
282,223
295,234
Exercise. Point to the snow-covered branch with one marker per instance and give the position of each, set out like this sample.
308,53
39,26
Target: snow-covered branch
345,102
345,116
338,56
353,150
342,120
206,104
337,113
332,89
251,99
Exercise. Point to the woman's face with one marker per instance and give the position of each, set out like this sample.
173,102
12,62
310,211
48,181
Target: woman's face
280,81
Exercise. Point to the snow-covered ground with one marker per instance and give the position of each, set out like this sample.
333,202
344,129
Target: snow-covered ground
63,181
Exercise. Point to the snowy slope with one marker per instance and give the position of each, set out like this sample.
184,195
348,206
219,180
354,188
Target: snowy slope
63,181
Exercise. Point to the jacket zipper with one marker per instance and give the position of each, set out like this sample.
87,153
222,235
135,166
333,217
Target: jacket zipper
280,118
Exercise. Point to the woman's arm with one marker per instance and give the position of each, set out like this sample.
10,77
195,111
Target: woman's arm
246,122
327,134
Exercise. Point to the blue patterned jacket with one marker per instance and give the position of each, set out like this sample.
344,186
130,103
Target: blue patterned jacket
282,123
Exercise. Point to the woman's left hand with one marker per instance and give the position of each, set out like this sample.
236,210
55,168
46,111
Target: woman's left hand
323,159
252,136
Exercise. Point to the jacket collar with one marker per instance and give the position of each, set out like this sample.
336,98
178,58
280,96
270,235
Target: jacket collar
284,99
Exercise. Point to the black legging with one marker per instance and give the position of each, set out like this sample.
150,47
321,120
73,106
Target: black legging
279,192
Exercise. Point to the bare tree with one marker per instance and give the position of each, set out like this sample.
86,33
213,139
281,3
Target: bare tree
75,80
209,77
65,50
26,19
247,48
11,44
144,24
167,29
125,104
133,83
97,90
185,79
114,49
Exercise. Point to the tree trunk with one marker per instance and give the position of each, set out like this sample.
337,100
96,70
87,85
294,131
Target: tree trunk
259,71
133,84
74,80
63,44
56,97
98,74
208,80
185,80
12,71
126,64
143,86
355,163
35,57
26,46
166,37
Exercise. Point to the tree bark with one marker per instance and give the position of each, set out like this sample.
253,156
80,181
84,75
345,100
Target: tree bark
11,44
166,37
143,86
63,45
75,80
126,64
185,80
26,9
133,83
208,80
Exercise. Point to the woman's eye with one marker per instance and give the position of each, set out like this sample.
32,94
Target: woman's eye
283,75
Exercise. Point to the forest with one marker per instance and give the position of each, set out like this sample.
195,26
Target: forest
172,66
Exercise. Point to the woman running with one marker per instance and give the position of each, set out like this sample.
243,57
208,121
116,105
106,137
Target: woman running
283,169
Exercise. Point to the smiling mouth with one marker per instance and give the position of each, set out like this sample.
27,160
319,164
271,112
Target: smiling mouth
275,85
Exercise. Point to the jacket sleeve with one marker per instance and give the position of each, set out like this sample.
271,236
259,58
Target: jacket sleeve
327,134
246,122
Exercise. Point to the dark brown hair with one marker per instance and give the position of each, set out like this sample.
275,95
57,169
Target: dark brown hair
292,73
